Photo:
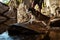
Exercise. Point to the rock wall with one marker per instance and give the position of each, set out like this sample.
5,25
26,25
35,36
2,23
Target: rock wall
7,17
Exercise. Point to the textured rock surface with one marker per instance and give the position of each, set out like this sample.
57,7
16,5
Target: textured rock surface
3,8
7,17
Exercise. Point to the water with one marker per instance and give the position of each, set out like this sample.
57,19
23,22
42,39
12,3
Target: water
5,36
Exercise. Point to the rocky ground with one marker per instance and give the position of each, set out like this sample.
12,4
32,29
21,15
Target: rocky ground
8,17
